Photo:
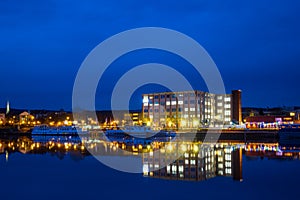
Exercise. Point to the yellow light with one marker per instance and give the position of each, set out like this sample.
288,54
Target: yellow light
292,114
196,148
82,147
195,122
140,146
183,122
183,147
169,147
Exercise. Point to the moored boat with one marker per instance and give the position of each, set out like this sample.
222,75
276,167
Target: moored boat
139,132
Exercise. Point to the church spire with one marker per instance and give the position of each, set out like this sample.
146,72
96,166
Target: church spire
7,107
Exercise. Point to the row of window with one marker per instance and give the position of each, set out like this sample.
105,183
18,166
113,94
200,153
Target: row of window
163,96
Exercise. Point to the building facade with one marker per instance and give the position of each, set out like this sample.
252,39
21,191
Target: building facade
190,109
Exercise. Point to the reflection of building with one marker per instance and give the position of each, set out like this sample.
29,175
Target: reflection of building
273,150
196,163
191,109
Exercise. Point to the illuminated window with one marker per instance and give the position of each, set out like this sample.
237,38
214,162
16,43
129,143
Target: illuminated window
180,169
168,169
227,157
145,99
168,103
180,102
228,164
220,104
227,99
227,106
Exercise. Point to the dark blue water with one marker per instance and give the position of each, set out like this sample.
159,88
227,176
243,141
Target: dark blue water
48,176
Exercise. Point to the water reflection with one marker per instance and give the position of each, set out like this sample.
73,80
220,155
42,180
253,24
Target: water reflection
199,162
55,146
192,161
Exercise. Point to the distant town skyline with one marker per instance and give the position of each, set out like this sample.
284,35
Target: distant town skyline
255,45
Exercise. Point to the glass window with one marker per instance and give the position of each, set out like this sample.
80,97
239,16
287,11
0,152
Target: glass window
227,99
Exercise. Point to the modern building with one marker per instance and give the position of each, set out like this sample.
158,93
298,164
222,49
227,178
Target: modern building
191,109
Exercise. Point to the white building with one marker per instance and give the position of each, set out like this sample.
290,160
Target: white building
188,109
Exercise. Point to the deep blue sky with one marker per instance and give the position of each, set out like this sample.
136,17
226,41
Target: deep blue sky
255,44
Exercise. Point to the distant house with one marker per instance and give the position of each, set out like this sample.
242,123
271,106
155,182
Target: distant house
25,117
268,121
2,119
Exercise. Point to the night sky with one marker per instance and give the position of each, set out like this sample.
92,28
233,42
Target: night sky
255,44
